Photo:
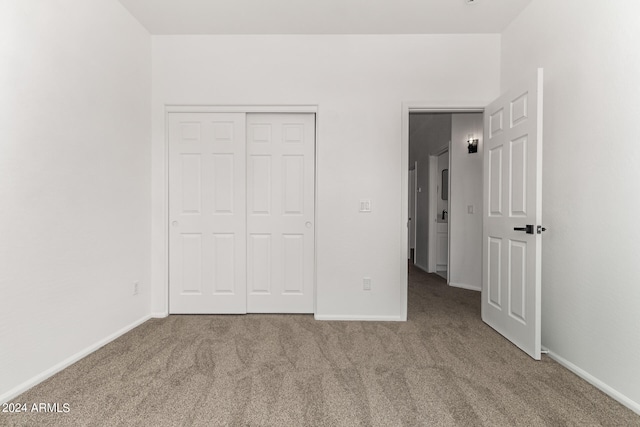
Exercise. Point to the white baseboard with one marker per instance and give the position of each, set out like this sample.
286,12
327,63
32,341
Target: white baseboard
634,406
465,286
16,391
356,318
160,315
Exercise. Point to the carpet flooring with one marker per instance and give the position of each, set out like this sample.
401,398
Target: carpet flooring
444,367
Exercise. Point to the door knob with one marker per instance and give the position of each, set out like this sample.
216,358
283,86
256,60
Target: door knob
308,224
174,223
528,228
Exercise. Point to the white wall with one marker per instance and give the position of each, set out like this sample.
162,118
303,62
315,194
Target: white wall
591,182
428,133
465,262
359,84
74,181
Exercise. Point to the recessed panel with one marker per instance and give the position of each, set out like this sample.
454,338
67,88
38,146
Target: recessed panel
223,183
293,133
261,185
293,182
190,131
518,177
259,264
261,133
223,131
517,279
495,272
293,259
495,181
223,263
519,111
191,182
191,252
496,123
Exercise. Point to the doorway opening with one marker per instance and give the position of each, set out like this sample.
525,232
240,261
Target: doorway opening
495,202
445,195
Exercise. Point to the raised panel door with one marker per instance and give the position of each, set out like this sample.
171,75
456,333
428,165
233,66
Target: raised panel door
280,212
511,285
207,212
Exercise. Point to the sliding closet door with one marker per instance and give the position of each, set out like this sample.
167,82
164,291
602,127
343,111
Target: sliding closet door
280,213
207,213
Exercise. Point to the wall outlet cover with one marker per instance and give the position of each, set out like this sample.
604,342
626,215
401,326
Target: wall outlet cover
365,205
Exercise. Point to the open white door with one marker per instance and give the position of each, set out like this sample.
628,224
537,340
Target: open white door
512,214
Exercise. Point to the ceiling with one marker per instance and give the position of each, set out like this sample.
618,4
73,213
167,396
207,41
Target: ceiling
324,16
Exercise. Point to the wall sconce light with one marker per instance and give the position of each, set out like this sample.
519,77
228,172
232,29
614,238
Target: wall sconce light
472,143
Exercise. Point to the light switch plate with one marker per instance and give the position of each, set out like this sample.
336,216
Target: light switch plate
365,205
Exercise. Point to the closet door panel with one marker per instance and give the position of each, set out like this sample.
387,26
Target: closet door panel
207,213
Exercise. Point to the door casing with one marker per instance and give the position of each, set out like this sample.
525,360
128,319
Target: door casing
433,210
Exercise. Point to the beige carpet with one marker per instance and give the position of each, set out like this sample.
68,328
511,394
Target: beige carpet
443,367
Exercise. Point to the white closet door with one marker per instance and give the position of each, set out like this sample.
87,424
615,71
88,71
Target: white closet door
280,213
207,213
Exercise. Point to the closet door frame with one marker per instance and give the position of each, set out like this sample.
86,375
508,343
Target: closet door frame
247,109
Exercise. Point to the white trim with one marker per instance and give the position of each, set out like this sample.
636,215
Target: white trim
404,211
432,194
465,286
16,391
247,109
449,206
171,108
160,315
357,318
415,210
165,211
615,394
446,110
432,197
315,207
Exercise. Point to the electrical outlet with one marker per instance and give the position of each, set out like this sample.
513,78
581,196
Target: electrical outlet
366,283
136,287
365,205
